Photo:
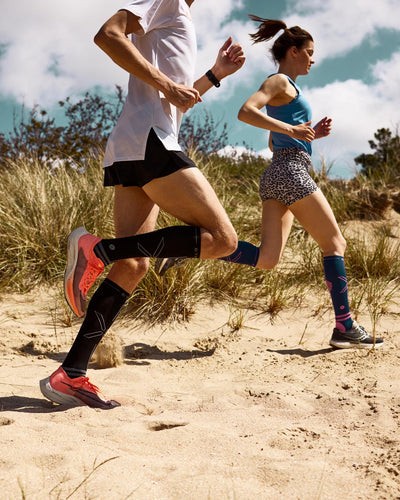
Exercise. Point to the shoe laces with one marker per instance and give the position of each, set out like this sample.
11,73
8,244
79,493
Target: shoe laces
90,276
362,332
86,383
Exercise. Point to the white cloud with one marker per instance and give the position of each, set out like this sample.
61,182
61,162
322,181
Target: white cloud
46,34
42,35
387,74
63,40
38,34
238,151
338,26
357,110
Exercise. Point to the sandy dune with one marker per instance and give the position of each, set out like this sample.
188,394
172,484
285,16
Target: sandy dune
207,412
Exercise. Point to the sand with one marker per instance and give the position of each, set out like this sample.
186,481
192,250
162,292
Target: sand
266,412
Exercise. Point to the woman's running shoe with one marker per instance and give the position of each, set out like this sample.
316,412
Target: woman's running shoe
162,265
357,336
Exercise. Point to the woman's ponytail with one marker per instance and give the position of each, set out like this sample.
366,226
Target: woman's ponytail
290,37
267,29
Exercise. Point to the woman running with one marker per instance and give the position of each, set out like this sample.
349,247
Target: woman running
286,188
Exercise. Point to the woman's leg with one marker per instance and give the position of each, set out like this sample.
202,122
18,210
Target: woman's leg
316,216
276,223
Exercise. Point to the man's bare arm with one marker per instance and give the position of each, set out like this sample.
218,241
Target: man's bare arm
113,39
230,58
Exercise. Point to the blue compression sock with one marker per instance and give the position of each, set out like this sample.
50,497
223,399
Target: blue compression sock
336,281
245,253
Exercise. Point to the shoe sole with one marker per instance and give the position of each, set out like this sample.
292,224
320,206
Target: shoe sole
349,345
159,266
72,259
57,396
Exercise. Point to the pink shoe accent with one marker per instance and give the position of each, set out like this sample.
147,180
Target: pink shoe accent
62,389
83,268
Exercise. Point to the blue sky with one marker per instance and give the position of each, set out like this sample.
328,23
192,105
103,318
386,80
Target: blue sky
47,53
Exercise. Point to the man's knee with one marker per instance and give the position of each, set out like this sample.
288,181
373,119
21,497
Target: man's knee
226,243
134,269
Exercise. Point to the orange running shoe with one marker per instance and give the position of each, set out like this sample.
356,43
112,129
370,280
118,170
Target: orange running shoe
61,389
83,267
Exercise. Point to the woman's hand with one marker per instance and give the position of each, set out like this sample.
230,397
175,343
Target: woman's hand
303,132
323,128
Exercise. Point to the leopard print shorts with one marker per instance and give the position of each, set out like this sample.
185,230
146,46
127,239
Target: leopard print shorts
287,179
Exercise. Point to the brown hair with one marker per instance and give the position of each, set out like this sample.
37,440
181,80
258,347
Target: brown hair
290,37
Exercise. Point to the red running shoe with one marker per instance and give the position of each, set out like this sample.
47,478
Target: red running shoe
83,268
61,389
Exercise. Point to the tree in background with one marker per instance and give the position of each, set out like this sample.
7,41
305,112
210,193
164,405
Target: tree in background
89,122
201,133
88,125
385,161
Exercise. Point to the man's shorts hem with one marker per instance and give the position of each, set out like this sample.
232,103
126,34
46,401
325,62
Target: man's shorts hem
158,162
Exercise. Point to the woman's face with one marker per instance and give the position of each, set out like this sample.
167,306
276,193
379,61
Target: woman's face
304,57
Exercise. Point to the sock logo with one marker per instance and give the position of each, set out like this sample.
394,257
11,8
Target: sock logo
344,279
102,326
157,251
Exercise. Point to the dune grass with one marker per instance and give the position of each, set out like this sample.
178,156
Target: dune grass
40,206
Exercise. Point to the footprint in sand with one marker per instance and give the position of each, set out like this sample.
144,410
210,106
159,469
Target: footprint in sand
6,421
162,426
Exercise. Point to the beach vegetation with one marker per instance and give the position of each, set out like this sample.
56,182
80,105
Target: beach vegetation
47,191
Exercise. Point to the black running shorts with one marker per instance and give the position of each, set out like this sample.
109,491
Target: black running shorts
158,162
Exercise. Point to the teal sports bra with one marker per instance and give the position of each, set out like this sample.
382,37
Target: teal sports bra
295,112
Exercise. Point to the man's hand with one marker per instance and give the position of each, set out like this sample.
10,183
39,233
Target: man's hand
230,58
323,128
182,96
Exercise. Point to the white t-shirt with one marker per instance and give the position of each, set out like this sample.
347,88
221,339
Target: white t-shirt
168,42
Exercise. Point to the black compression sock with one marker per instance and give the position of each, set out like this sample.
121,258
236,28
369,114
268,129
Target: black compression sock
102,310
175,241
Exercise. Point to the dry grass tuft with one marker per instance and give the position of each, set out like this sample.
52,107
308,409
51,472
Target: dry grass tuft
40,206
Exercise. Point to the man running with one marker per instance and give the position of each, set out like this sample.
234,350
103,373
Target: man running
148,170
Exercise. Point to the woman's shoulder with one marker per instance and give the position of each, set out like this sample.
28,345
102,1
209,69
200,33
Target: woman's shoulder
277,81
276,77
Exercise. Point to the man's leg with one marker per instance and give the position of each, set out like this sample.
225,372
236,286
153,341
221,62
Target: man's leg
185,194
188,196
133,213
